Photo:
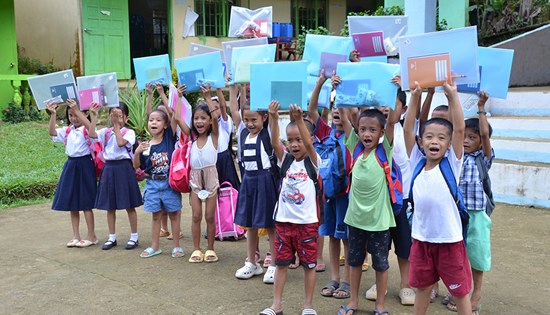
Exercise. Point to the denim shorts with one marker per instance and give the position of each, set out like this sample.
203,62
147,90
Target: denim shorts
158,195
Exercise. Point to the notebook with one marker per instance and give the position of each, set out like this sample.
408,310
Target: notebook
329,62
430,70
369,44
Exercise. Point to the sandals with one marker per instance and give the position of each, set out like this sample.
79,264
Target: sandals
86,243
270,311
210,256
72,243
434,295
344,288
149,252
309,311
365,266
320,268
331,287
346,310
383,312
163,233
171,237
476,310
177,252
267,260
196,257
342,260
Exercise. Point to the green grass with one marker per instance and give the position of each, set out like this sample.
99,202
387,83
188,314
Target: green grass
31,163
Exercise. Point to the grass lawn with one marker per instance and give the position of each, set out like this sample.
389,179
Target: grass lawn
31,164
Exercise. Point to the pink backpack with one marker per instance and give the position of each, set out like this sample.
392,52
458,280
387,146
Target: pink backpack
179,166
225,214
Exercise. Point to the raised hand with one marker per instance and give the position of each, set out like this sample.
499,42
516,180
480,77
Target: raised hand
72,103
149,88
181,90
335,79
206,90
322,78
450,90
274,109
483,97
417,90
51,107
354,56
295,112
94,108
397,80
160,88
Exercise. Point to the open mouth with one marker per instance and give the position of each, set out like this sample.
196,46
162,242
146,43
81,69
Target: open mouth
434,150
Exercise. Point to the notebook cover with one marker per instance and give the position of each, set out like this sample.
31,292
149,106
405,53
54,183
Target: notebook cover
286,93
65,91
430,70
89,96
329,61
369,44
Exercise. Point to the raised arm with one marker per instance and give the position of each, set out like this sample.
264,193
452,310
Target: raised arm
177,115
296,115
345,119
160,90
424,112
85,122
314,101
223,104
393,118
483,123
52,108
274,128
408,127
117,120
94,110
234,106
149,100
457,118
214,112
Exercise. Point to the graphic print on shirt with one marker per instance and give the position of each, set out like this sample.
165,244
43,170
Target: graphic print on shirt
290,192
160,162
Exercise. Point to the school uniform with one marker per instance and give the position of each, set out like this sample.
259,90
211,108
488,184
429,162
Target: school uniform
118,187
77,186
203,174
258,193
226,164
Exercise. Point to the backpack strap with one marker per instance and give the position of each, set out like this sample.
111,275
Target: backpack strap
340,153
382,159
486,181
449,177
67,132
287,161
86,137
419,167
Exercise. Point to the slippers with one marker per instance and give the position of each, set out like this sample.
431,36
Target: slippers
267,260
210,256
164,233
476,310
330,288
434,295
384,312
270,311
446,299
149,252
309,311
346,310
86,243
171,237
344,288
365,266
72,243
196,257
177,252
320,268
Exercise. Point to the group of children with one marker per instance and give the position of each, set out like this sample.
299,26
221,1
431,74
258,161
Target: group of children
281,189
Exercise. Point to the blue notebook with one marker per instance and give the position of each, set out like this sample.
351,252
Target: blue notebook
154,69
201,69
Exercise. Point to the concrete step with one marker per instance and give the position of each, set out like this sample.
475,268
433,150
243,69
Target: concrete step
536,128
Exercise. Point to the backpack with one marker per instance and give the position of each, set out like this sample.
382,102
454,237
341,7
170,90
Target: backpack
96,149
394,179
140,174
454,189
333,169
180,167
312,174
486,180
224,216
266,141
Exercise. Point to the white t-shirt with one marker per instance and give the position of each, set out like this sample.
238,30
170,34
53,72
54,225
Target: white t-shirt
401,158
298,199
436,217
224,134
111,150
252,166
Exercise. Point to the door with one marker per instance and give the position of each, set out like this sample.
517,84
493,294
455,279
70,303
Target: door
106,37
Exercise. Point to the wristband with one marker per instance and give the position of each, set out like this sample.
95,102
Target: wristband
479,112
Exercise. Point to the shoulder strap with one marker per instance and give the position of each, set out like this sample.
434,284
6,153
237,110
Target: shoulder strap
486,181
287,161
418,168
310,169
357,151
67,132
266,141
449,177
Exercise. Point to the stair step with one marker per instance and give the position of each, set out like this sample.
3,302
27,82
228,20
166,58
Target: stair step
522,150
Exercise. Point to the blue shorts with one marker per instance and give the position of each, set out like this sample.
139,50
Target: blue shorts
376,243
401,233
333,224
158,195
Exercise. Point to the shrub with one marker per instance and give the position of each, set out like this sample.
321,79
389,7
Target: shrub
137,116
16,114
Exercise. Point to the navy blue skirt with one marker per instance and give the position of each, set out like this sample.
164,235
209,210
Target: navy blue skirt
118,186
226,169
77,186
257,199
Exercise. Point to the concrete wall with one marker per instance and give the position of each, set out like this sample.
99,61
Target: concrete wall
281,8
49,30
531,57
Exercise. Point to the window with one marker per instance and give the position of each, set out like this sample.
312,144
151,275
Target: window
308,13
213,16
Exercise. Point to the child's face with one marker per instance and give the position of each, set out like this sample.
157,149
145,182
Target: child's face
472,141
73,118
253,121
296,146
440,114
156,123
201,122
336,118
370,132
436,140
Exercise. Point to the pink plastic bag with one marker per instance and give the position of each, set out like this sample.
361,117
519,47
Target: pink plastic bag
225,214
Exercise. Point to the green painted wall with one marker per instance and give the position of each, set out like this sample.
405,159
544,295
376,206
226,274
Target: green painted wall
8,49
391,3
454,11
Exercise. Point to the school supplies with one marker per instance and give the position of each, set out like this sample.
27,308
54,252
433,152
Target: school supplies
495,67
391,26
369,44
55,87
324,94
179,166
255,23
329,61
225,214
198,49
227,47
195,71
316,45
101,89
460,44
186,109
154,69
430,71
284,82
366,84
244,56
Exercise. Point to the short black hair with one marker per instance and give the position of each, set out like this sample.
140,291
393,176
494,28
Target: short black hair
374,113
402,97
162,113
442,108
473,123
437,121
123,107
308,123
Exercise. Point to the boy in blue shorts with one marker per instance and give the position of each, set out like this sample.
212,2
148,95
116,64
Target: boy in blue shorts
438,249
296,216
477,150
369,216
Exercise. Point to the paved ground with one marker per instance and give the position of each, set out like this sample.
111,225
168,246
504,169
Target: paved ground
41,275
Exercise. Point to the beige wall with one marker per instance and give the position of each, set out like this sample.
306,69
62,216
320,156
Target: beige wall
336,15
281,8
48,30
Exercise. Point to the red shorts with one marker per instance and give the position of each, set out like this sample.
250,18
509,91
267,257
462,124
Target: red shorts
448,261
294,238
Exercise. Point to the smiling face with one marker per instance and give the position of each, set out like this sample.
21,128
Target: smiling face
73,118
472,141
370,132
436,140
253,121
202,121
157,122
295,146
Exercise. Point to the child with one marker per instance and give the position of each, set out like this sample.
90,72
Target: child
77,184
154,157
203,176
296,218
257,195
118,187
334,208
477,145
438,248
369,216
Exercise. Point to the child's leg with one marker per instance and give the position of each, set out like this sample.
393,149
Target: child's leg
422,300
90,223
355,284
132,217
278,287
320,245
381,288
164,222
111,221
196,209
75,222
404,271
334,256
476,293
356,255
155,229
271,235
346,272
463,305
210,212
252,244
175,219
309,286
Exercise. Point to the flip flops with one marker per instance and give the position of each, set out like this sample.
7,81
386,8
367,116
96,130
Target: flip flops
383,312
149,252
342,260
177,252
309,311
346,310
171,237
196,257
331,287
320,268
210,256
267,260
86,243
270,311
365,266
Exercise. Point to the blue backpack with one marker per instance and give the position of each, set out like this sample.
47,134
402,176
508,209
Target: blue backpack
332,170
450,180
394,178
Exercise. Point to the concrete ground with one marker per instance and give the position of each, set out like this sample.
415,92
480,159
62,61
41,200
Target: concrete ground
41,275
